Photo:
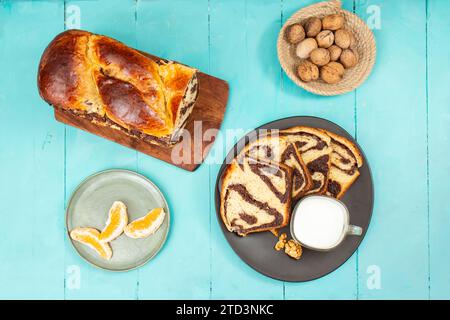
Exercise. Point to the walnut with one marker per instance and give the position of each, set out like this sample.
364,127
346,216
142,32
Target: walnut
352,40
348,58
308,71
313,26
325,38
293,249
332,72
295,33
280,245
343,38
305,47
320,56
281,242
333,22
335,52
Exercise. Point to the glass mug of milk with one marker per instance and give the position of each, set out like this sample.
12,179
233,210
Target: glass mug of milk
321,223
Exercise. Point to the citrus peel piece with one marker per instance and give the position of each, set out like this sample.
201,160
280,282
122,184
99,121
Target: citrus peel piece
90,238
146,225
117,221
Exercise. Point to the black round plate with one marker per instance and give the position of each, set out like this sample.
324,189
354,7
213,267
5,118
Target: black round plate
257,249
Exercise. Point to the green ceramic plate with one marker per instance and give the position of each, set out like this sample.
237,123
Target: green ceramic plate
89,206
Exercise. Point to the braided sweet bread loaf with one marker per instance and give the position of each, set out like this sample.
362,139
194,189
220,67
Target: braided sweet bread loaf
103,80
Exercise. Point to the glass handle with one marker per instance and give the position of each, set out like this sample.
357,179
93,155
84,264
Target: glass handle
354,230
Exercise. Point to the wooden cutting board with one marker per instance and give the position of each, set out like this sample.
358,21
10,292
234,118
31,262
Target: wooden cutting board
207,114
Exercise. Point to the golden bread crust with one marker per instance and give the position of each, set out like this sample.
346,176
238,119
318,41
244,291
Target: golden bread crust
96,74
315,131
345,161
314,147
348,144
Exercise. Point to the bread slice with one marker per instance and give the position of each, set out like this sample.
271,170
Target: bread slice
255,196
279,149
314,147
345,161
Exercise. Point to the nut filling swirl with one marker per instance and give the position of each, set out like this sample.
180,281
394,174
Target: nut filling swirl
255,196
272,147
345,161
315,150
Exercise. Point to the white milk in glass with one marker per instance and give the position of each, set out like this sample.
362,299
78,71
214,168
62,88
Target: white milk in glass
320,222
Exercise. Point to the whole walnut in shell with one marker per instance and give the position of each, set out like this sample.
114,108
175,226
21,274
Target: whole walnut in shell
352,40
343,38
348,58
333,22
313,26
325,38
320,56
308,71
335,52
305,47
332,72
295,33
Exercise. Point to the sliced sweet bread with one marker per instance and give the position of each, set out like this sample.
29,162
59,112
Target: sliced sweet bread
255,196
279,149
345,161
314,147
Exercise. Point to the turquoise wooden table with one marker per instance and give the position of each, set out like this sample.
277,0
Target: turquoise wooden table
400,116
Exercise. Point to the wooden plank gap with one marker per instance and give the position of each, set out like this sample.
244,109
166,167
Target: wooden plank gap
428,148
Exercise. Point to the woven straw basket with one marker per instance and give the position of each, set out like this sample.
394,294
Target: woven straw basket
365,47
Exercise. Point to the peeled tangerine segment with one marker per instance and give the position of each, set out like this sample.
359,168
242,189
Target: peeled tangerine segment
147,225
117,221
90,237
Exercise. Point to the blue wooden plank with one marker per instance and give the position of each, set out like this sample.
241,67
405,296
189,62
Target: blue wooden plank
87,154
178,30
342,283
439,146
391,114
35,252
31,157
243,35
